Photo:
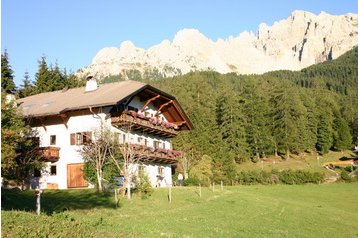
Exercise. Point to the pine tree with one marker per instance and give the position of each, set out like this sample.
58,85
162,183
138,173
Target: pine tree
324,133
42,77
288,115
256,112
342,138
18,152
27,87
7,78
232,121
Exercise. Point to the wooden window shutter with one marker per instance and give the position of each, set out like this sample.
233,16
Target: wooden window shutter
73,138
87,137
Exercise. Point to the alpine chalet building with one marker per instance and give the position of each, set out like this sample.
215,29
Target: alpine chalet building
65,120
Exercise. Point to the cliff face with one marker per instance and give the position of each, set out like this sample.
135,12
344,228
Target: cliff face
299,41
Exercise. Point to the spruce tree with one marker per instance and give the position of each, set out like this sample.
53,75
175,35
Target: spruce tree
7,78
232,121
42,77
342,138
256,111
27,87
288,114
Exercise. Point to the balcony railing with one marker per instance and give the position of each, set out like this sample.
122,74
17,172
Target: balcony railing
152,125
158,155
49,154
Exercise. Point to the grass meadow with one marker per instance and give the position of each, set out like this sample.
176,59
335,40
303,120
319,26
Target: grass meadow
326,210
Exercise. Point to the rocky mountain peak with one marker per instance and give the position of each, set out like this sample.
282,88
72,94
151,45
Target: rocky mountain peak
299,41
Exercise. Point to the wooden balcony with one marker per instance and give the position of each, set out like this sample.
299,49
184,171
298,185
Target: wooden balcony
50,154
143,124
157,155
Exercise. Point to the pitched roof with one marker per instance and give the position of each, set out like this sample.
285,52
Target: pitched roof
54,103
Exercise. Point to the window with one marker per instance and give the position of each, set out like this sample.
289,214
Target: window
141,169
145,142
161,171
52,139
140,140
37,173
130,108
53,170
81,138
156,144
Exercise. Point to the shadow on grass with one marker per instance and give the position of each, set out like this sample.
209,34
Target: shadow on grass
55,200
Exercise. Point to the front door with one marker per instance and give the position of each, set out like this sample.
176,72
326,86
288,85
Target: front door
75,176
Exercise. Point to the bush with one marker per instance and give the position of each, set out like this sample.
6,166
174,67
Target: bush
191,182
143,186
345,176
274,177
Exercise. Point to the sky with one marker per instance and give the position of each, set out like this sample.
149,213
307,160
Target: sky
71,32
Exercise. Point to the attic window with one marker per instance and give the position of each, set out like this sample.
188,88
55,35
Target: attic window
28,106
48,103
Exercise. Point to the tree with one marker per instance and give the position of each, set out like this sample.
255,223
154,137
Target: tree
256,111
202,171
232,121
288,114
127,159
7,78
97,151
19,154
42,77
27,87
342,138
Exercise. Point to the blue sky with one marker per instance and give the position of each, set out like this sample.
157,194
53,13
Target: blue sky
71,32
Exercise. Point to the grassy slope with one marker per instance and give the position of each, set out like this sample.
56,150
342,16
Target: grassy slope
304,162
241,211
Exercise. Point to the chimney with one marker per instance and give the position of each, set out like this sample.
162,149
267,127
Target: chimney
91,84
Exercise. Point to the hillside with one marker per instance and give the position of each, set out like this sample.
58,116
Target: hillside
294,43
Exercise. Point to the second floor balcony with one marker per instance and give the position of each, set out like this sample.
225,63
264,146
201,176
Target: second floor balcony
152,125
49,154
157,155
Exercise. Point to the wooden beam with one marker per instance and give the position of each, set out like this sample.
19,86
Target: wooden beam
149,101
42,122
162,106
64,117
179,123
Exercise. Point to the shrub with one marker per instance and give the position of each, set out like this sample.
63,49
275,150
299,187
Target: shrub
191,182
274,177
143,186
345,176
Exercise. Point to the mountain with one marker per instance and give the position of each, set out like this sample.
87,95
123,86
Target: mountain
294,43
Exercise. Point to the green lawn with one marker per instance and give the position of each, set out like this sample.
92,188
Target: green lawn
242,211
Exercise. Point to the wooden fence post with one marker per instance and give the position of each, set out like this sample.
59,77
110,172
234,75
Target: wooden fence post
213,186
116,197
38,192
199,190
222,186
170,194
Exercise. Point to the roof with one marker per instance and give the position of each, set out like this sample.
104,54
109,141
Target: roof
59,102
